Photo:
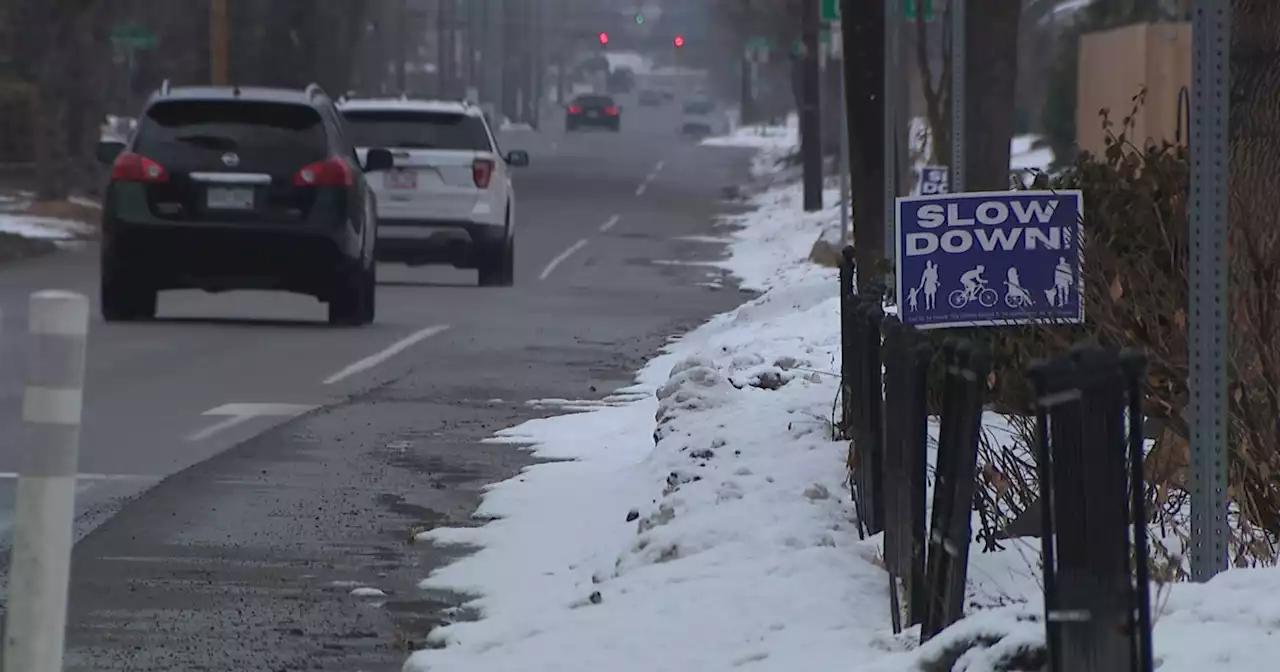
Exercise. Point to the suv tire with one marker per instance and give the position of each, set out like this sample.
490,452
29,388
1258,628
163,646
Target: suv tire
498,268
350,304
124,299
371,293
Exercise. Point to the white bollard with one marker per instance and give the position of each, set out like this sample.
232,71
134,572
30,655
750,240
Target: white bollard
44,512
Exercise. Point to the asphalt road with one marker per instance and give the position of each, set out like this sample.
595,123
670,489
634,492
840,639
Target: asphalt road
245,466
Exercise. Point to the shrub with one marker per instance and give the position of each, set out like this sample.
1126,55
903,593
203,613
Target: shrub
1135,238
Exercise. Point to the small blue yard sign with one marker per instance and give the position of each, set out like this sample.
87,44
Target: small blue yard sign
934,180
989,259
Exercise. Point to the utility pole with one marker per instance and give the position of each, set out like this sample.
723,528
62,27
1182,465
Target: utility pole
896,121
219,36
810,110
402,45
443,48
958,102
863,34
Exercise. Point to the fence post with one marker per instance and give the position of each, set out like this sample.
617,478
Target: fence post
906,435
848,304
873,429
948,547
857,327
1134,364
1095,618
916,465
44,512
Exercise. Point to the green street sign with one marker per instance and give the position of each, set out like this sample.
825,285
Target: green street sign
831,10
133,36
911,9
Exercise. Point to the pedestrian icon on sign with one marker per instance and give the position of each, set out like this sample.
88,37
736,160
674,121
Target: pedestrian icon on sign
1062,276
1015,296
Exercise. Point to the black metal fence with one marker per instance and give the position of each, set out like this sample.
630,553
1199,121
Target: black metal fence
1089,459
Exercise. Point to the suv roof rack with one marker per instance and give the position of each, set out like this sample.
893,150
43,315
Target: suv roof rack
314,91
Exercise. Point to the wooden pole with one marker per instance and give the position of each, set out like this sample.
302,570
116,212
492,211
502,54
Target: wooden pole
218,38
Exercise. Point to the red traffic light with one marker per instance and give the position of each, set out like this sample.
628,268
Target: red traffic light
604,38
679,41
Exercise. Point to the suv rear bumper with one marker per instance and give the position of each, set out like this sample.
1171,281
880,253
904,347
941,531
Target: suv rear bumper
418,242
219,257
598,122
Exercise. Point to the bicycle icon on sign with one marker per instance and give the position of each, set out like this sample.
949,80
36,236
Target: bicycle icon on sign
985,296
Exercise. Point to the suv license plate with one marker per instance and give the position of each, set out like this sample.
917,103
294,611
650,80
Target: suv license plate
400,179
230,198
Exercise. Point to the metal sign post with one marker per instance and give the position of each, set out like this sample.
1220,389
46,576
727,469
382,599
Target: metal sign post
957,95
893,113
1207,280
846,228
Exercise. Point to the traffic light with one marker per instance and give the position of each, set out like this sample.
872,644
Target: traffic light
604,38
639,19
679,41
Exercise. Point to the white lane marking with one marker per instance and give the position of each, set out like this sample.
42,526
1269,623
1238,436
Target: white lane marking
13,475
386,353
546,272
656,169
613,221
240,413
640,189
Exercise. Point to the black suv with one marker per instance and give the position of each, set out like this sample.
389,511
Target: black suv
226,188
593,110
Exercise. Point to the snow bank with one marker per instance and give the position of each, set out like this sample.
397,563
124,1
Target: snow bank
701,520
42,228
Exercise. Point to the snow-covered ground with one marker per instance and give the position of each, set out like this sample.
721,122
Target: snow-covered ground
700,520
42,228
14,219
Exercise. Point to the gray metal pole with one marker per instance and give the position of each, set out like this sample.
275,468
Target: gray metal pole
494,57
846,228
44,511
958,47
892,18
1207,279
810,109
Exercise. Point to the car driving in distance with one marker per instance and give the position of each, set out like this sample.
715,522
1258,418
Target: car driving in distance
700,118
593,111
228,188
651,98
449,197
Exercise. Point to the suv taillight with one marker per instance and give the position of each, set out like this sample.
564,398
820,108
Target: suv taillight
482,172
332,172
611,111
131,167
574,109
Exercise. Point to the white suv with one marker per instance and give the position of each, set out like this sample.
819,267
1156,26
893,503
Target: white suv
449,198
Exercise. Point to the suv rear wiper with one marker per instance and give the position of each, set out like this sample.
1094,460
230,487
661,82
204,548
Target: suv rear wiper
210,141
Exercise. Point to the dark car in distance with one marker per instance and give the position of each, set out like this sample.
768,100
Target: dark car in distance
593,111
651,98
228,188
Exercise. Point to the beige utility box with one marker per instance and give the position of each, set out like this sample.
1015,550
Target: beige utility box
1114,67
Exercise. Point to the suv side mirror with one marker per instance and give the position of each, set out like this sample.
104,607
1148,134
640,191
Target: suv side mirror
378,159
108,150
518,158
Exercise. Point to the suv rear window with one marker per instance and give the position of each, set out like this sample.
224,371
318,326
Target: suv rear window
698,107
594,101
230,125
411,129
